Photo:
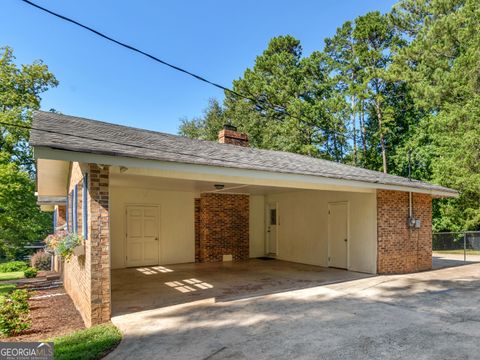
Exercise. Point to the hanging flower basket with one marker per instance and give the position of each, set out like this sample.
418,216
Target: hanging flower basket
65,244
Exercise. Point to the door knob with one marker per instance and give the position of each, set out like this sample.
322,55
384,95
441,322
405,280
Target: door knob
345,240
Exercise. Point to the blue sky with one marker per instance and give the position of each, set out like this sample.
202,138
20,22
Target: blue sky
216,39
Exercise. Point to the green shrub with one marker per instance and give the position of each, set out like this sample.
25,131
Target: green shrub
13,266
30,272
41,260
15,313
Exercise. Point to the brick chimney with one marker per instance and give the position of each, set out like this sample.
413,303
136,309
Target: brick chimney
230,135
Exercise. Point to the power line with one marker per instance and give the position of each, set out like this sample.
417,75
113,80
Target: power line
259,104
324,173
132,48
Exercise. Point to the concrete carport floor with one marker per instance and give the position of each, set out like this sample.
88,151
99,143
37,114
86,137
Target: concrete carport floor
137,289
429,315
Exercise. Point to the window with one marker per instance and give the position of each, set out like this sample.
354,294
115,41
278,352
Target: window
75,209
67,210
55,219
273,216
85,207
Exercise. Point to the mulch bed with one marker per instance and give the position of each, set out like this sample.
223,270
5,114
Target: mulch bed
51,316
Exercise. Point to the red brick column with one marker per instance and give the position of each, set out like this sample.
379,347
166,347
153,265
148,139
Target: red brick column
401,249
224,227
99,243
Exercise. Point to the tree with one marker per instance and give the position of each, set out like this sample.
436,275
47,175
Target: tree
20,90
206,127
21,221
441,66
295,108
375,41
348,77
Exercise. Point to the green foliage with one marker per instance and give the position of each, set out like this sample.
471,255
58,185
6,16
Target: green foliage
41,260
5,289
206,127
20,94
21,221
30,272
14,313
13,266
87,344
384,85
294,111
441,66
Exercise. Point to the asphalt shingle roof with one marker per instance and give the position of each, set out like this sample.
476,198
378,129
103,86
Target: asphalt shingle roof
90,136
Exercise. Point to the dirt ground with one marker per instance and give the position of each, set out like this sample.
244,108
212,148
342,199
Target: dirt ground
53,314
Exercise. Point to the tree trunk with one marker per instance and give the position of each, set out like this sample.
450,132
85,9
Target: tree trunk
354,126
363,130
380,130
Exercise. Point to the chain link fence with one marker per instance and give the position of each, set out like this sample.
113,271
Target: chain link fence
453,248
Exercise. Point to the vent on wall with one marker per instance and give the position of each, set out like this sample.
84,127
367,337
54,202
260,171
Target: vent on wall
227,258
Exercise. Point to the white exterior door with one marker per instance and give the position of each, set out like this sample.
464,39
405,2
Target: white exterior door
142,235
272,220
338,235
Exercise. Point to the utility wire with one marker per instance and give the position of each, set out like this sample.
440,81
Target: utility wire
259,104
324,173
132,48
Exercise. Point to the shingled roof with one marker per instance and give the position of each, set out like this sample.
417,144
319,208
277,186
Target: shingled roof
89,136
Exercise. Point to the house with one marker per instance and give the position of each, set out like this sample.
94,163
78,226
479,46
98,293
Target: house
142,198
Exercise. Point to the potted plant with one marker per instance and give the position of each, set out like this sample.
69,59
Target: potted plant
66,244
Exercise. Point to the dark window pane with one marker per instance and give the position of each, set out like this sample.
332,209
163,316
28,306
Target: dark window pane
273,216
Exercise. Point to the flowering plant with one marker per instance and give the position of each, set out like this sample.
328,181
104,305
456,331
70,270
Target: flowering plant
63,243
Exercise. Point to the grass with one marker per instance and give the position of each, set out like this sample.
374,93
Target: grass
6,288
87,344
11,275
458,252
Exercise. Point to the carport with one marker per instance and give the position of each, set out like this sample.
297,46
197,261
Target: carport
146,200
144,288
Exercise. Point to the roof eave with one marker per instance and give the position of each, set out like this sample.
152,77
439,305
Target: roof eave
172,169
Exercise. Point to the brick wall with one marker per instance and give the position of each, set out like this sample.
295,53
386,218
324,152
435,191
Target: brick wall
99,241
401,249
223,222
87,278
76,272
233,137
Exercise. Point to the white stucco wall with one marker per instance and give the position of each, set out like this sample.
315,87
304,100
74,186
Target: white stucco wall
176,223
257,226
303,223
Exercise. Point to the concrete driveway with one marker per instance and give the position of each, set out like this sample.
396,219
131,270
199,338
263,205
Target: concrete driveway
143,288
430,315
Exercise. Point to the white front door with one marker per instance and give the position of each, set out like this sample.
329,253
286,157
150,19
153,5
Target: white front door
142,235
272,220
338,235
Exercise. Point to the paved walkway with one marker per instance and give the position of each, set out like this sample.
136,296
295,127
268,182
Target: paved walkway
429,315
